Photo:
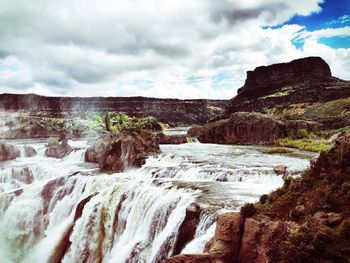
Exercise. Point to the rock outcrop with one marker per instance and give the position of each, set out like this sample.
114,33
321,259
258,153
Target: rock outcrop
116,152
8,152
59,151
240,128
266,79
29,151
303,89
171,139
172,111
306,220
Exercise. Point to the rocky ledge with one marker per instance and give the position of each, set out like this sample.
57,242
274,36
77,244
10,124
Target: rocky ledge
249,128
172,111
297,86
116,152
306,220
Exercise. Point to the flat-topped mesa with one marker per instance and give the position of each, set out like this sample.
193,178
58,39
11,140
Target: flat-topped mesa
265,79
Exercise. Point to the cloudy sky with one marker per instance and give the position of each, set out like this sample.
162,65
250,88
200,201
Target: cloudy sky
162,48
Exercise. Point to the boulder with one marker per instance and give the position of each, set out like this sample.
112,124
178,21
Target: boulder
280,169
170,139
59,151
29,151
240,128
8,152
129,148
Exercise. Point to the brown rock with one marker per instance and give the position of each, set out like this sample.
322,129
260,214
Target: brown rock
265,79
240,128
259,237
8,152
115,152
58,151
229,227
170,139
29,151
302,124
280,169
23,175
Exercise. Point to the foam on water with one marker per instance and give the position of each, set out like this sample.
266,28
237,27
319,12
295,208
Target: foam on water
133,216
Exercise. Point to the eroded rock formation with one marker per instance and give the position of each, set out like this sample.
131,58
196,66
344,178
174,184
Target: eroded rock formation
240,128
301,86
170,139
306,220
116,152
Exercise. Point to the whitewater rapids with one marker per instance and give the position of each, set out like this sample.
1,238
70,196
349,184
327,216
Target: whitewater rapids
68,211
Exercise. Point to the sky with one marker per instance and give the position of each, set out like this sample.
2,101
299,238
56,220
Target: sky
162,48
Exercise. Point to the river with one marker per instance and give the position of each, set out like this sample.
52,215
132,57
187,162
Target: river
54,210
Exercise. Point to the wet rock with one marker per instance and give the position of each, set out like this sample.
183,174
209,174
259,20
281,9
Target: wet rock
116,152
58,151
240,128
171,139
280,169
334,218
23,175
188,228
29,151
8,152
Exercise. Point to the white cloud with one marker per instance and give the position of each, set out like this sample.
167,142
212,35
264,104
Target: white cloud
148,47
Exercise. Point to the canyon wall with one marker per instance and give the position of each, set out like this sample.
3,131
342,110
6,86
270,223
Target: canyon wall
172,111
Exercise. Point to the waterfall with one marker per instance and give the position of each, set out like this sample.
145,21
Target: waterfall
65,210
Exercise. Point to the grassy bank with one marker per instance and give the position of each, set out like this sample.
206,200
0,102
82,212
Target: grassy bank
313,145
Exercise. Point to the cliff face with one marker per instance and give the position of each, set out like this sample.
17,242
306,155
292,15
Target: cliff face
265,79
172,111
300,83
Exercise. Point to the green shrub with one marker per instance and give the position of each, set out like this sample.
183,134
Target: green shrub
248,210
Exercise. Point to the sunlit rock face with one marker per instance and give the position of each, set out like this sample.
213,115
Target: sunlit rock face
240,128
265,79
117,152
305,80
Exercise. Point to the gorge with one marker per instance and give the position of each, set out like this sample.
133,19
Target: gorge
219,192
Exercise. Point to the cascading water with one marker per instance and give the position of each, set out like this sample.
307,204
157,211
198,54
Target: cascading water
54,210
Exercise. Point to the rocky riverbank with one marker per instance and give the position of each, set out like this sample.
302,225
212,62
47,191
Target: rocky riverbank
306,220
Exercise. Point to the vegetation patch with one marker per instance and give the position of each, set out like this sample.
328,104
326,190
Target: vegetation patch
313,145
